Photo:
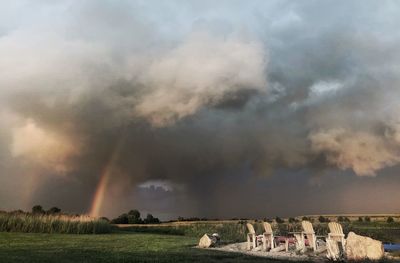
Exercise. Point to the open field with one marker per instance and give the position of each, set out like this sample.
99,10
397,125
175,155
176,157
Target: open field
117,247
235,231
355,217
168,242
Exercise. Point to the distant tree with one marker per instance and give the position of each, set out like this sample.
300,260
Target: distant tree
367,219
180,218
390,219
134,217
269,220
104,218
360,219
279,220
346,219
322,219
37,209
293,220
134,220
340,219
134,213
150,219
304,218
122,219
53,210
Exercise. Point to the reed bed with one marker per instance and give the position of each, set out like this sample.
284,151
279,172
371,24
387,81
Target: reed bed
64,224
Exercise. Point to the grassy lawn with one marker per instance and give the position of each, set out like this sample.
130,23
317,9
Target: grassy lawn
150,244
116,247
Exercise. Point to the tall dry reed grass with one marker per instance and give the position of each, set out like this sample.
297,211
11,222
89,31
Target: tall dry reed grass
31,223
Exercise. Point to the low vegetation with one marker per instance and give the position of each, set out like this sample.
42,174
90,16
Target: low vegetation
123,247
164,242
230,231
234,231
51,223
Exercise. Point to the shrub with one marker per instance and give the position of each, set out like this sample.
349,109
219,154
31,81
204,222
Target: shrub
390,219
360,219
367,219
323,219
37,209
53,210
122,219
150,219
279,220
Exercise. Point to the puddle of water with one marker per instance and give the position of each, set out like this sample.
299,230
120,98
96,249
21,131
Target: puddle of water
391,247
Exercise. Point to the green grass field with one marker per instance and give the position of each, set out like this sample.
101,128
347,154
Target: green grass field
159,243
116,247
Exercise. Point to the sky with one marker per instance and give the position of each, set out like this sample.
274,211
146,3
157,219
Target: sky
217,109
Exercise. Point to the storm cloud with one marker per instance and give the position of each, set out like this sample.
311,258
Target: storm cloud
231,97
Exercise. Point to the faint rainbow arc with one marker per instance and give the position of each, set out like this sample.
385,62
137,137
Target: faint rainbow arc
103,182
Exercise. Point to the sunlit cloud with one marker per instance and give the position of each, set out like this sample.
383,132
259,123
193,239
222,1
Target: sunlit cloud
42,148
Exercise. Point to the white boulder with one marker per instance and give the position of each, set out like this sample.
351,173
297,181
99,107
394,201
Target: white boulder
361,248
207,241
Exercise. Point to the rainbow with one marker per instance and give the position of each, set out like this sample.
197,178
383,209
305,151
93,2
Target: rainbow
101,188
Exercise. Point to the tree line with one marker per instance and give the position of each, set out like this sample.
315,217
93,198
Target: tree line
133,217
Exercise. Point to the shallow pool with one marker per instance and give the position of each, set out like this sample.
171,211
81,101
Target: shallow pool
391,247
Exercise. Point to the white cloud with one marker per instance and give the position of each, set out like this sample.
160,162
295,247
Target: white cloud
42,148
200,72
325,87
363,152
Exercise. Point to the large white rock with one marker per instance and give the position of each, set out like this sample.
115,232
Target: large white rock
360,247
208,240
